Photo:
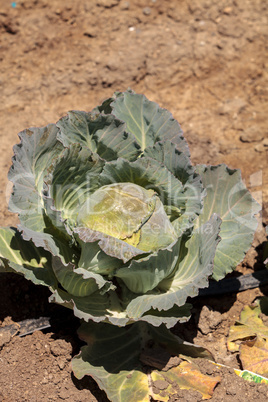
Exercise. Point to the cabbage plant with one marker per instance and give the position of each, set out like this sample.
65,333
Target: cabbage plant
123,229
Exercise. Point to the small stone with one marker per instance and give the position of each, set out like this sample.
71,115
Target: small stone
61,362
251,134
232,106
265,142
146,11
125,5
227,10
231,388
231,27
90,32
260,148
107,3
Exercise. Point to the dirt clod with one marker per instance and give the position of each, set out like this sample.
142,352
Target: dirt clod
209,319
4,339
161,384
252,134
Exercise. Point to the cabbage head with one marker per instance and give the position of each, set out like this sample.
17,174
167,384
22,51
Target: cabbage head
115,219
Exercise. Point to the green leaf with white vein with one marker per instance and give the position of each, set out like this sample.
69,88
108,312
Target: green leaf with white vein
31,157
104,135
4,267
192,260
78,281
169,318
147,121
97,307
146,273
23,257
191,193
54,241
228,197
94,259
71,178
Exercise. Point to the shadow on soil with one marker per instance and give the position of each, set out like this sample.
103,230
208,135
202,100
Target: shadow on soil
20,300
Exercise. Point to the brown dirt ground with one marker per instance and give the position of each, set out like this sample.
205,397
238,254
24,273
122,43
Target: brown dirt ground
205,61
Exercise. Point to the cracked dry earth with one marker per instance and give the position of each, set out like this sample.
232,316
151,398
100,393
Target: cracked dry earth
203,60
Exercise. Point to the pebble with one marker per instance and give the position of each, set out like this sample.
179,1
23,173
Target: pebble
146,11
260,147
125,5
61,362
227,10
251,134
90,32
232,106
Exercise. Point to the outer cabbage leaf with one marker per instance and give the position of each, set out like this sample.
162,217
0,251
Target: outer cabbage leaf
37,149
167,154
71,178
169,318
4,267
53,240
148,122
146,273
78,281
104,135
97,307
228,197
119,370
192,192
95,260
24,258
